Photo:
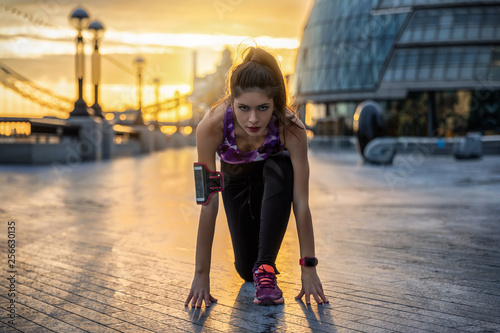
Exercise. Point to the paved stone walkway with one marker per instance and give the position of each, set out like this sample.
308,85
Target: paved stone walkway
109,247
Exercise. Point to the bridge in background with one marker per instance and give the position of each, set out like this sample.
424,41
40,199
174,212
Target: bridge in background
52,136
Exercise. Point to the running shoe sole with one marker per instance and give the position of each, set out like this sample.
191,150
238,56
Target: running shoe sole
269,301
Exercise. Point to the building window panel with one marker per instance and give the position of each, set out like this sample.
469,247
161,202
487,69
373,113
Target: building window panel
475,17
331,79
391,27
388,76
407,36
413,58
466,72
343,83
484,56
491,17
446,20
495,74
458,32
469,57
482,72
472,32
364,55
366,81
452,72
355,80
497,32
438,73
424,73
411,74
427,57
418,20
444,34
379,54
320,78
398,74
399,59
441,56
334,33
455,55
418,34
375,70
487,32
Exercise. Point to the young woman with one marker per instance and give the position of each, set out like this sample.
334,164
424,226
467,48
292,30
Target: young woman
263,150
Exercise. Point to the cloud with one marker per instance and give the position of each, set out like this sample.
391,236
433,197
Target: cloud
37,39
232,17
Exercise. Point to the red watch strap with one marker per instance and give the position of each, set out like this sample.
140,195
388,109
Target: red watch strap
302,260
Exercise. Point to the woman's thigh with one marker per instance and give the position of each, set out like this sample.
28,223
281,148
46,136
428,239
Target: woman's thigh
242,197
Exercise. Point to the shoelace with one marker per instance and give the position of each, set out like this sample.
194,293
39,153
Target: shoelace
266,279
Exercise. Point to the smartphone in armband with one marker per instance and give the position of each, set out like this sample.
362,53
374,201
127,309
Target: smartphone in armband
199,181
207,183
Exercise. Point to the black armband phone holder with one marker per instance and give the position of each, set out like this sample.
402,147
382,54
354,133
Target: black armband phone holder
207,183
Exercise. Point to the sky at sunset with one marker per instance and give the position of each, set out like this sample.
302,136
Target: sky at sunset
37,40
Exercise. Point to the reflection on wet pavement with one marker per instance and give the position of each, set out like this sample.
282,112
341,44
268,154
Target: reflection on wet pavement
110,247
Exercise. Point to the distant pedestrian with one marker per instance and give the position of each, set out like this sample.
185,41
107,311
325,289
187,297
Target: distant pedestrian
263,150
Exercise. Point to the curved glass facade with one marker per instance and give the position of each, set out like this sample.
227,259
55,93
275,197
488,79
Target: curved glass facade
404,54
344,47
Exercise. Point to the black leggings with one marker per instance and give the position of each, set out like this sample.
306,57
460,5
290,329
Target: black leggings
257,200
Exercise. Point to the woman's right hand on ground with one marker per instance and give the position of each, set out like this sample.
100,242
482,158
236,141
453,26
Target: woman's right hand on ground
200,291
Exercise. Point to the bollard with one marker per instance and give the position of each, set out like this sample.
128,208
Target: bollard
469,147
90,137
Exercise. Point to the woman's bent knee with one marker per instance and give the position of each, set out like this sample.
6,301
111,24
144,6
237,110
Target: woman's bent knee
246,273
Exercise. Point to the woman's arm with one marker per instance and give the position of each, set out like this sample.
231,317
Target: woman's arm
297,147
208,139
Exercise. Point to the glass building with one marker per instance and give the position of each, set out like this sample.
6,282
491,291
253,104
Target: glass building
433,65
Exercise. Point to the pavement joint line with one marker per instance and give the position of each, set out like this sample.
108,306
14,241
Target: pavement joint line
125,301
420,308
55,306
160,259
55,287
39,255
390,285
437,300
410,326
98,277
39,329
17,330
75,314
55,319
457,319
56,296
101,274
396,303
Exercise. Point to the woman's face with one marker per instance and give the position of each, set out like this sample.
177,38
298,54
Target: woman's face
253,111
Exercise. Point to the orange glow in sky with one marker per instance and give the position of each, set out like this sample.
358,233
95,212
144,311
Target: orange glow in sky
38,43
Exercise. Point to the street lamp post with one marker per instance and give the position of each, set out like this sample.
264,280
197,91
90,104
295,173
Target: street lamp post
139,62
79,19
157,83
98,30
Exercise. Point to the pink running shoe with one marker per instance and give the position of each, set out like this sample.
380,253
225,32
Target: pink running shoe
267,291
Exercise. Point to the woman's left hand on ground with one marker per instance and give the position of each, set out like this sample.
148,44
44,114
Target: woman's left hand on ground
311,285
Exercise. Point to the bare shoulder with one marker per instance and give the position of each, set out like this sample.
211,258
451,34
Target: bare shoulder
213,121
209,134
296,132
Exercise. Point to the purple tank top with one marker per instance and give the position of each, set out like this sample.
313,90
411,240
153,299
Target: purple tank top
229,152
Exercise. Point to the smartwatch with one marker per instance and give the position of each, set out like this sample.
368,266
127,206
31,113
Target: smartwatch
308,261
